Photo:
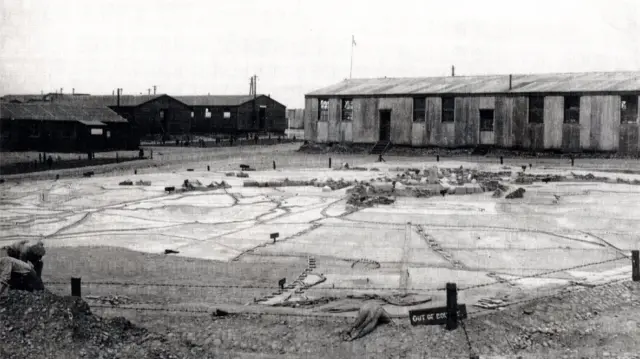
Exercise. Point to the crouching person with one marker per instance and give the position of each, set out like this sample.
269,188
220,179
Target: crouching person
19,275
27,251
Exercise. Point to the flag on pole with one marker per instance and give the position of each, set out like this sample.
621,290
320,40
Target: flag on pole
353,40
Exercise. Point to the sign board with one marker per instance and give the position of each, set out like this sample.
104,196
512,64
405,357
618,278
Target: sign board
434,316
275,235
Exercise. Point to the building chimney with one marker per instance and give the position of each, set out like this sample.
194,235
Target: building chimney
118,99
510,81
61,90
453,71
73,91
149,92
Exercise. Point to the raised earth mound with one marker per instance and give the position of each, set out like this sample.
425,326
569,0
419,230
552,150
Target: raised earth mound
45,325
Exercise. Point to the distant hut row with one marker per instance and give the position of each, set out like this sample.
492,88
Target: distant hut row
83,122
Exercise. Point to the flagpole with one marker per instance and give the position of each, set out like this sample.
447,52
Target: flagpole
351,67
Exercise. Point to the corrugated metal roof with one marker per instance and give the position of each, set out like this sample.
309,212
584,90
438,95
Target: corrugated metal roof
57,112
39,98
108,100
215,100
560,82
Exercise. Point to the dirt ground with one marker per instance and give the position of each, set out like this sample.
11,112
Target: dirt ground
114,237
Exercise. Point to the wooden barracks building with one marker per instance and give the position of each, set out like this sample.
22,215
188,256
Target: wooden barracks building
566,111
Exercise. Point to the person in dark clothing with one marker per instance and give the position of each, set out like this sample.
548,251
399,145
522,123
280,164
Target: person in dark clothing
27,251
50,162
19,275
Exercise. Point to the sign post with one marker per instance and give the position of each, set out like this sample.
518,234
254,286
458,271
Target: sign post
274,236
435,316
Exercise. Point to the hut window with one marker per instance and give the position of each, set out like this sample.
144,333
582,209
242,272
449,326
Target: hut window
323,110
347,110
572,109
629,109
448,109
207,113
536,109
192,114
226,113
161,113
419,108
34,130
96,131
486,120
66,133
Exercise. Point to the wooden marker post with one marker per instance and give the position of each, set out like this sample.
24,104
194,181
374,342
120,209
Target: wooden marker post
452,306
635,263
76,290
274,236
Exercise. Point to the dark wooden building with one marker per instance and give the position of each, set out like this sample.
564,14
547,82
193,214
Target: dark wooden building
148,115
235,114
54,127
567,112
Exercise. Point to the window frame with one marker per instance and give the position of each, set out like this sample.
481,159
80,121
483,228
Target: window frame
533,112
568,110
346,115
448,115
420,114
34,130
323,113
483,127
626,117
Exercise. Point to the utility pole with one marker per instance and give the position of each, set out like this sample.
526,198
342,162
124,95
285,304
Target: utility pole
154,89
255,88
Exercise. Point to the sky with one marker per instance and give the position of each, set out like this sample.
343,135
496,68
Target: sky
189,47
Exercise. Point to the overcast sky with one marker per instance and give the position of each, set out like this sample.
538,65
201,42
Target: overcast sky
294,46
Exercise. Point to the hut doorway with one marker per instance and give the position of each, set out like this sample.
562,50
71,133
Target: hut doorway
385,125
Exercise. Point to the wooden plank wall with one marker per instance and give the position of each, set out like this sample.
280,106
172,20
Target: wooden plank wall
467,121
401,118
608,107
346,131
534,139
553,119
585,122
366,124
310,119
419,134
519,121
502,121
570,137
433,126
630,136
322,132
334,120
